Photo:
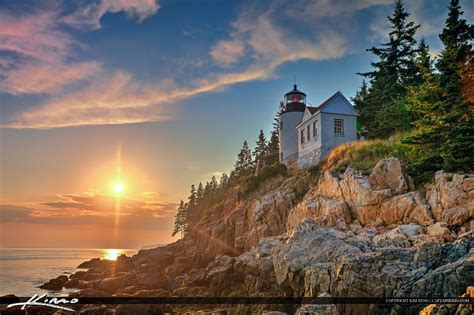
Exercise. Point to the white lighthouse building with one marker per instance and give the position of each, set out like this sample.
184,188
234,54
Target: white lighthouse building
307,134
291,113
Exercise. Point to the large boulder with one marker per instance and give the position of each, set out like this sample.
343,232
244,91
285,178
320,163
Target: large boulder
388,174
451,198
55,284
322,211
407,208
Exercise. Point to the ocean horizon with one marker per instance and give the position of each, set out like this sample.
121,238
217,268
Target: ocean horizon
24,269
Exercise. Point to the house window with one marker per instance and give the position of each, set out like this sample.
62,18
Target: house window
339,127
302,136
281,125
308,131
315,128
281,156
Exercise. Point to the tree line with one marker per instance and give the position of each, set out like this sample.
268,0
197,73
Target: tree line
429,99
208,195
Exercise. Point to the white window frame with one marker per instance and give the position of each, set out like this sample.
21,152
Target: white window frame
338,129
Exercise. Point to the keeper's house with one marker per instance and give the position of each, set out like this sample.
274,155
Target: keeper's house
307,134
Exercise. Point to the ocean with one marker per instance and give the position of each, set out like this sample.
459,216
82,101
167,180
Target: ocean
22,270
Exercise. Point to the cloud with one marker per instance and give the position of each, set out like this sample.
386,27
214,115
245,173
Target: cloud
88,16
34,54
259,42
123,100
92,209
46,78
263,36
34,36
227,52
38,56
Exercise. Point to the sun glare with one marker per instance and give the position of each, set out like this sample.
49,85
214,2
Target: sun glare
111,254
118,188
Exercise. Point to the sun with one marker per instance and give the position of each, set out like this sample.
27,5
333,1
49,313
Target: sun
118,188
111,254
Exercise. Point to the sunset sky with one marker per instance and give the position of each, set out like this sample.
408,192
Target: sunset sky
168,90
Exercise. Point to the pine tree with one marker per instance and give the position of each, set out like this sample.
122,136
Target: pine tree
455,115
224,182
443,118
200,192
213,185
273,147
261,149
383,112
192,197
192,211
180,219
359,102
244,164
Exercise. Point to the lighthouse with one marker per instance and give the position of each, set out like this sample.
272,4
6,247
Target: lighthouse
292,109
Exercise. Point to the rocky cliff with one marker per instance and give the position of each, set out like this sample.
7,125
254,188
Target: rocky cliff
350,235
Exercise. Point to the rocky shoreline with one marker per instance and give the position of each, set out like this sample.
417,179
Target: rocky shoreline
350,235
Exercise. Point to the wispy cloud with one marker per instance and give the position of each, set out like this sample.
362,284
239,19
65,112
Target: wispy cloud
88,16
38,56
35,53
46,78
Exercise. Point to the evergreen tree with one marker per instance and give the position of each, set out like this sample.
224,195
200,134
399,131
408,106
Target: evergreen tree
359,103
383,111
200,192
192,214
244,164
180,219
443,117
261,149
213,185
454,116
192,197
224,182
273,147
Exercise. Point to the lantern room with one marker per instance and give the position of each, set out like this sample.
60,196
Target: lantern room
294,101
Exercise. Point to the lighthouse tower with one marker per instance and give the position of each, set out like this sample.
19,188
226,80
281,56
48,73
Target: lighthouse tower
291,113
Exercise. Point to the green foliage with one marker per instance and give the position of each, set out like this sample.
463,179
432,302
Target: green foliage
443,119
244,164
382,105
180,219
261,149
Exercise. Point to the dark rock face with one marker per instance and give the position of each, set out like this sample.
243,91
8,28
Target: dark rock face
55,284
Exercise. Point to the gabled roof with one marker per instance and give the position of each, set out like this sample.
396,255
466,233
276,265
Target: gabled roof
314,110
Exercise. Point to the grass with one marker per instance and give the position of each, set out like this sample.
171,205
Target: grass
364,155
